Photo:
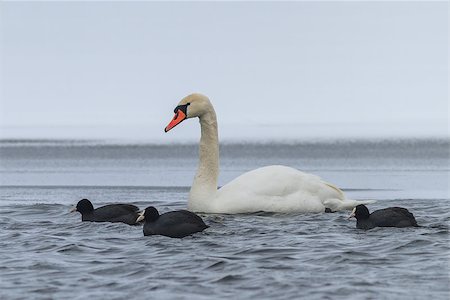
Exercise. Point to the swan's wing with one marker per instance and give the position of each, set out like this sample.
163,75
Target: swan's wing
275,188
281,181
338,190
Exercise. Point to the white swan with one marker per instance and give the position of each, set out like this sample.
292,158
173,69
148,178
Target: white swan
270,189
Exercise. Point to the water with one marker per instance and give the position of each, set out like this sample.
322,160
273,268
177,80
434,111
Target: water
48,253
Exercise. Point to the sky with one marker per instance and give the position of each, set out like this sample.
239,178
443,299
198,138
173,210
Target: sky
290,70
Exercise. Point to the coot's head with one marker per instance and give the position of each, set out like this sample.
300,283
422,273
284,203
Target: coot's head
360,212
83,206
150,214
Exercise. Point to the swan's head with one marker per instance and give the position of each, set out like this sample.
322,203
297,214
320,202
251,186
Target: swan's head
194,105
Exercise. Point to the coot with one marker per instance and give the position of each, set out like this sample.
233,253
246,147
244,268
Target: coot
174,224
125,213
387,217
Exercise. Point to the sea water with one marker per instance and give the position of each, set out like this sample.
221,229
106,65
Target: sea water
46,252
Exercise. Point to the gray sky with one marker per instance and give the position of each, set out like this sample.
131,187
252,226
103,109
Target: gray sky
272,70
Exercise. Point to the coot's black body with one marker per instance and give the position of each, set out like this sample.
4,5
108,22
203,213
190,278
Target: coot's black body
387,217
115,213
174,224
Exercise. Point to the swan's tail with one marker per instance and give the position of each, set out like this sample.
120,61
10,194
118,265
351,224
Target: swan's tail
347,204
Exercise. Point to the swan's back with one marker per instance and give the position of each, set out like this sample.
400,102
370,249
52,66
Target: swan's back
272,188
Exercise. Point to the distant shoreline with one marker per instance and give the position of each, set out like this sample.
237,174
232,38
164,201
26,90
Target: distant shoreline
190,142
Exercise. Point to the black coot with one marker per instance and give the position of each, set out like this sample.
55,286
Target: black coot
125,213
174,224
387,217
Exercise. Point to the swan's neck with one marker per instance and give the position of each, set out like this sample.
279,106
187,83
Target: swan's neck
205,181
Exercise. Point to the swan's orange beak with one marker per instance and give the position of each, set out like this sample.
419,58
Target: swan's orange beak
179,117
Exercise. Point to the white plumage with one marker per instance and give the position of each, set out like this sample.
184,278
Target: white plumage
270,189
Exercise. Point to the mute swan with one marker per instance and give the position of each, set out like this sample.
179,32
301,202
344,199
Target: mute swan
270,189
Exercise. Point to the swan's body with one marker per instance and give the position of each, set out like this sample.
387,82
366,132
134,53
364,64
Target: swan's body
270,189
273,189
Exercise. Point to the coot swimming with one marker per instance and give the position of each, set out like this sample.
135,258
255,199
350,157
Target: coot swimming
174,224
387,217
125,213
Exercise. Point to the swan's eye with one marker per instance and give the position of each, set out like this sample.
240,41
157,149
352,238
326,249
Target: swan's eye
183,108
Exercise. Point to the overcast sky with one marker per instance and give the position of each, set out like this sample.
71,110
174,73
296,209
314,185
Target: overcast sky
272,70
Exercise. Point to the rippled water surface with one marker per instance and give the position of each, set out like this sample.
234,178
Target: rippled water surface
48,253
